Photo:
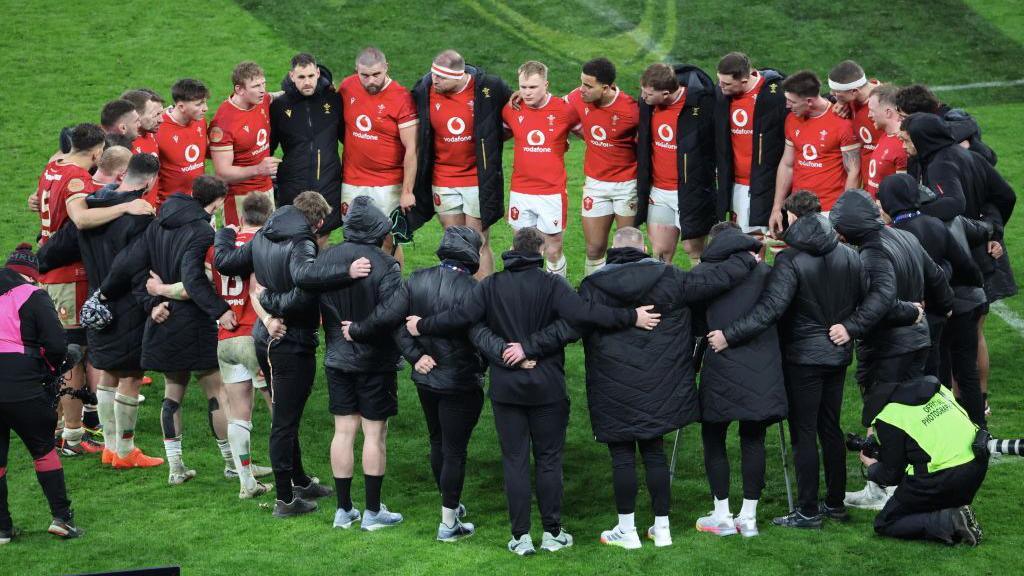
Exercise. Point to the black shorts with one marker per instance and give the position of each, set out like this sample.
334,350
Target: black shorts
372,395
76,336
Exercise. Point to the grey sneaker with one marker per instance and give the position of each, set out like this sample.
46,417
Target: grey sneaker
178,477
461,512
345,518
965,526
65,528
383,518
296,507
871,497
457,532
553,543
522,546
257,471
312,491
259,490
9,534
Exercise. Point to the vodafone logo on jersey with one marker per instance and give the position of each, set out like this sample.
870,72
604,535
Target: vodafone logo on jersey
666,133
598,133
191,153
364,125
809,153
536,140
865,135
456,125
872,168
740,118
261,137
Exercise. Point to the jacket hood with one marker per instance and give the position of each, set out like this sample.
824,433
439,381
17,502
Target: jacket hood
728,242
516,261
326,82
180,210
929,133
910,392
855,215
770,74
109,196
461,244
812,234
9,279
899,193
286,223
629,275
696,81
365,223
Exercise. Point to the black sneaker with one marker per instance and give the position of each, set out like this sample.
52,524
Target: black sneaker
313,491
837,513
65,528
797,520
6,535
296,507
965,526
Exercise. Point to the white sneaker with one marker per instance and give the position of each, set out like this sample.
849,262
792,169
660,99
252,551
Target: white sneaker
871,497
719,526
180,477
747,526
616,537
661,536
522,546
345,518
260,490
553,543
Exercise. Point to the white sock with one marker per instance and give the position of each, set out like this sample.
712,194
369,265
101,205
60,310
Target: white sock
448,516
126,412
661,522
749,509
592,266
73,436
225,453
556,267
108,418
626,523
722,508
172,447
239,432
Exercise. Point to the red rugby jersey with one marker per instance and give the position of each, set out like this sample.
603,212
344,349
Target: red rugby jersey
819,143
610,134
541,137
247,134
374,153
235,291
60,183
664,154
182,157
741,130
451,118
888,158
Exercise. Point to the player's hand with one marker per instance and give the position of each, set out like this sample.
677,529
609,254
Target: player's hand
412,325
513,354
160,312
866,461
33,202
528,364
406,201
515,101
154,285
841,110
344,329
425,364
717,341
995,249
268,166
360,268
139,207
645,318
838,334
275,327
775,223
227,320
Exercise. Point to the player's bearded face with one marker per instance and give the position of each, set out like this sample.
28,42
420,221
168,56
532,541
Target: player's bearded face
533,89
653,97
908,144
797,105
305,78
444,85
876,113
153,117
373,77
731,86
130,125
846,96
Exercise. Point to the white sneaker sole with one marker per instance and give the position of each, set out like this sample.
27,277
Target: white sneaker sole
375,527
555,547
626,545
179,479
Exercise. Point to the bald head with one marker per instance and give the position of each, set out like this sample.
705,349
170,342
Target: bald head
628,237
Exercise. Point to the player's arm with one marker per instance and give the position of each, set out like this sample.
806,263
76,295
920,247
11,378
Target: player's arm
408,134
85,217
851,163
783,182
225,169
33,201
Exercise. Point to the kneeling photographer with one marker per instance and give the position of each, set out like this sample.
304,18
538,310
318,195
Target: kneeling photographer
923,445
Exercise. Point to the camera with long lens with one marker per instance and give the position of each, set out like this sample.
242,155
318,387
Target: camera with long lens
985,445
869,446
56,386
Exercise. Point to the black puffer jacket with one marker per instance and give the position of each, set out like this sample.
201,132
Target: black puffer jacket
460,367
816,282
340,299
34,339
117,346
174,246
284,242
640,383
518,304
900,272
308,129
901,201
741,383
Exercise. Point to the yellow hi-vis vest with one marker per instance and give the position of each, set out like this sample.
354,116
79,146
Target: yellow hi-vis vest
940,427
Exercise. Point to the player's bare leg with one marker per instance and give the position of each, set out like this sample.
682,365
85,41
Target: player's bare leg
121,436
72,438
694,247
555,259
175,384
664,239
486,255
217,411
389,247
595,233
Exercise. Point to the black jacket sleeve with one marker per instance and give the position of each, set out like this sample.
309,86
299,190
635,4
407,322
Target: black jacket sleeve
318,274
193,275
473,310
61,249
938,295
880,296
779,291
708,280
128,263
892,455
578,312
978,232
944,177
486,341
39,312
229,259
296,299
549,340
385,317
965,270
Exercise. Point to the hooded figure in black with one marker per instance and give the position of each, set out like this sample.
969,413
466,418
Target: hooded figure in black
640,384
307,123
742,383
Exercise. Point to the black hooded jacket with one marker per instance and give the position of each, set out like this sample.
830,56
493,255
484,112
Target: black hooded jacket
900,273
174,246
428,291
489,97
341,299
39,333
769,142
815,283
308,129
518,304
965,129
695,153
640,383
901,201
116,347
274,253
743,382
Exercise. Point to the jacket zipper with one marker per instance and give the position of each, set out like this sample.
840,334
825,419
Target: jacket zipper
684,168
318,165
309,124
760,146
483,150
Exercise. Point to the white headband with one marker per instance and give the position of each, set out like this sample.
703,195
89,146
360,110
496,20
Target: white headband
848,86
438,70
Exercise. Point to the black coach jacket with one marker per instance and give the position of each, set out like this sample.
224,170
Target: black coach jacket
490,96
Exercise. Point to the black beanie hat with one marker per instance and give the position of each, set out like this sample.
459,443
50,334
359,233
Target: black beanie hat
24,261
